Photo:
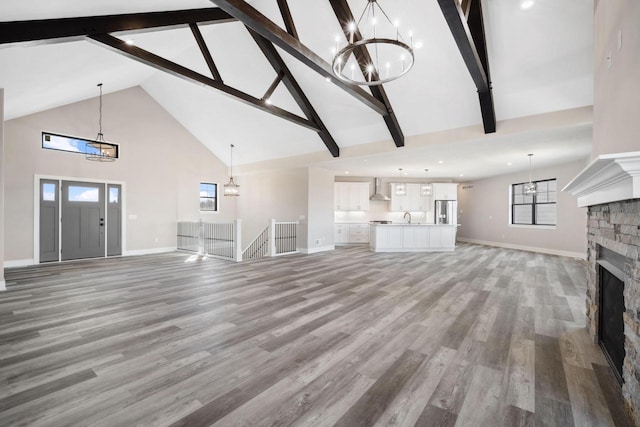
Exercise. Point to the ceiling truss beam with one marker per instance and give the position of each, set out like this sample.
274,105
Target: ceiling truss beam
206,53
170,67
287,18
295,90
467,28
259,23
65,28
345,16
273,86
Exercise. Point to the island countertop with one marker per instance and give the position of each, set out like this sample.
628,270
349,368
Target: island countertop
405,237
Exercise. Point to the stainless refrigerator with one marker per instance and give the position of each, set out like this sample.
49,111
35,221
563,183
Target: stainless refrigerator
445,212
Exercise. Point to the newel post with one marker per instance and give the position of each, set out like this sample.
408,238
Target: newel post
272,238
238,243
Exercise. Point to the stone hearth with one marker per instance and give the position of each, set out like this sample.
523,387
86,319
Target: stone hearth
610,188
616,226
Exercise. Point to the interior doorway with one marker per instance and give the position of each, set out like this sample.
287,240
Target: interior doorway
79,219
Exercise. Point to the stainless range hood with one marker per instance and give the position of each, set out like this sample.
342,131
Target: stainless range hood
378,196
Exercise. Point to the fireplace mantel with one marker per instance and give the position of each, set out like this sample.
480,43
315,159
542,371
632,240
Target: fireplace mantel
608,178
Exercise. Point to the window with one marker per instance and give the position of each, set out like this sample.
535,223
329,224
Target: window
83,194
534,209
208,196
71,144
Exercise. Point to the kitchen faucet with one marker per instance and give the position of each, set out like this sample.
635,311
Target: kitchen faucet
405,216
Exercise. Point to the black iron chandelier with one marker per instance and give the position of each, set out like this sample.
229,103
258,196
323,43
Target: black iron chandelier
389,55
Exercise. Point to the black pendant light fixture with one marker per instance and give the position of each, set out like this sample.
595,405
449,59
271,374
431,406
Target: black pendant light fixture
425,189
391,54
530,187
401,187
231,188
99,150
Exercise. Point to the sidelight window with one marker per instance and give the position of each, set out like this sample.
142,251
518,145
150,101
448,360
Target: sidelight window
538,208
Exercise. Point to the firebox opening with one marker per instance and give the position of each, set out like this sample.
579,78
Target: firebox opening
611,324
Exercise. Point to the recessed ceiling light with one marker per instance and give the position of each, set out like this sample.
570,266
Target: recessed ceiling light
461,174
267,101
527,4
328,79
346,172
440,162
509,164
130,42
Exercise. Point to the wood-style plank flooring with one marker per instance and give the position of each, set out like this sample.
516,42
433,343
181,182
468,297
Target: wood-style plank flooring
478,337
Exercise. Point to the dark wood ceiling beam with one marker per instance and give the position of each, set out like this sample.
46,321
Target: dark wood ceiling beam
273,87
287,18
206,53
344,15
48,29
475,23
253,19
170,67
471,43
295,90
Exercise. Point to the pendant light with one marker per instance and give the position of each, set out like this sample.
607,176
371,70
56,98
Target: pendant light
231,188
401,188
425,189
391,54
530,187
99,150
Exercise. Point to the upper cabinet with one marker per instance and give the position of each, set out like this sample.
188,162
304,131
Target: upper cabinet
412,201
351,196
445,191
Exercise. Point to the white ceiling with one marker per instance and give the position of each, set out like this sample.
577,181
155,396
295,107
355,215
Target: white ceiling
540,60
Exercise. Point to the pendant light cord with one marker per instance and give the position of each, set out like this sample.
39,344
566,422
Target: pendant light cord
231,161
100,111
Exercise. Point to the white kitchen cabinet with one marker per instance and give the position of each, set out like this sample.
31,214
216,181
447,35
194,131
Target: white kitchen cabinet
358,233
412,201
341,234
351,233
351,196
445,191
412,237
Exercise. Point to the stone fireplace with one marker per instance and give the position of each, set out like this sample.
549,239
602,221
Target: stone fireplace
610,188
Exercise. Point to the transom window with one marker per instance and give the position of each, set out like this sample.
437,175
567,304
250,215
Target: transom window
534,209
52,141
208,196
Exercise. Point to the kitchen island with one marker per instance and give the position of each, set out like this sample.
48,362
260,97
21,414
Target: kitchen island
412,237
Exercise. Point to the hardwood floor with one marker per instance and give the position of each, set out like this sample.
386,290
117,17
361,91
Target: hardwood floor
479,337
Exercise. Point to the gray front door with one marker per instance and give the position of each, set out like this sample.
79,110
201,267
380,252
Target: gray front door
114,219
49,220
83,220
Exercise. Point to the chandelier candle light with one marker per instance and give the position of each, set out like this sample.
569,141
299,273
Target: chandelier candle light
231,188
530,187
426,187
401,188
390,55
99,150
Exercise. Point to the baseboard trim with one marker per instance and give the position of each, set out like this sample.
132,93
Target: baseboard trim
151,251
569,254
19,263
316,250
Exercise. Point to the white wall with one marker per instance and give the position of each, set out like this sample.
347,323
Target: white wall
3,172
483,212
320,214
280,195
616,108
161,163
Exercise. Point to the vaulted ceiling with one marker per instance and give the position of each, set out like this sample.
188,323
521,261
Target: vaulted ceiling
540,60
